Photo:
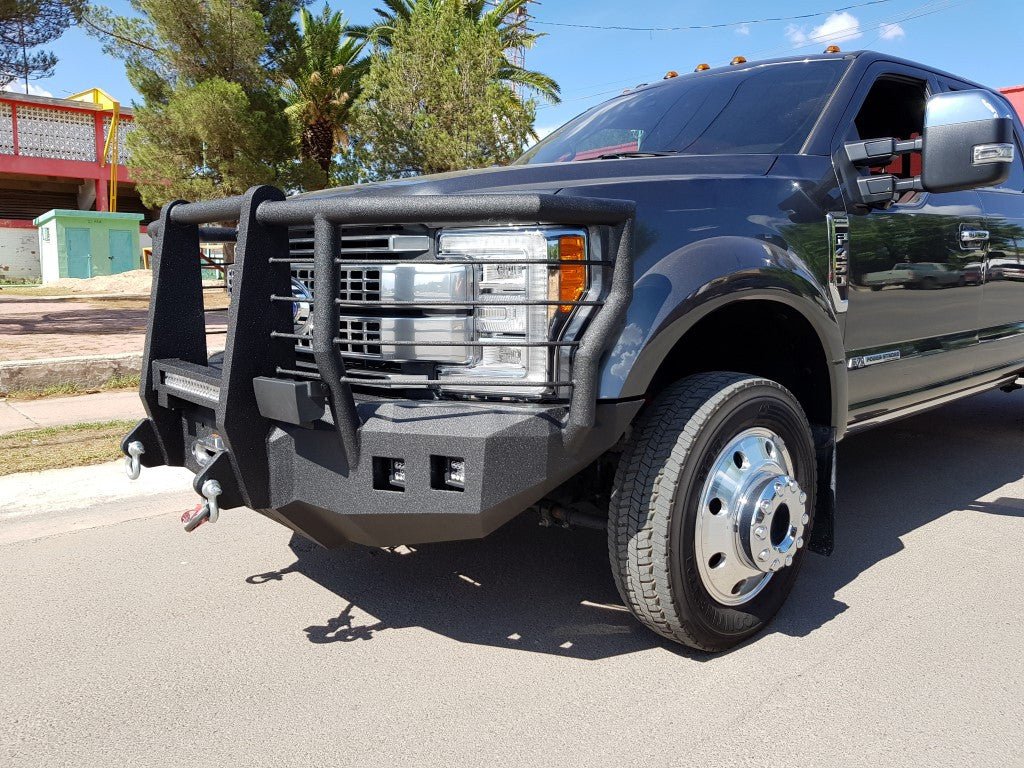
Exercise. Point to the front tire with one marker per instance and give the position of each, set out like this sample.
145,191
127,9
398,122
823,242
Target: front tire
712,503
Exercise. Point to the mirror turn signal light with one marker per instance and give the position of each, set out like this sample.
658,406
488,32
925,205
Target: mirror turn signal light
702,68
833,49
572,279
738,60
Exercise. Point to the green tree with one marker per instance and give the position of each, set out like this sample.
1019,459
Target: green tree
506,17
25,25
324,68
434,102
212,120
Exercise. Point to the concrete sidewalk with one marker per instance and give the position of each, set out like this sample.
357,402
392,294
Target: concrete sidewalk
16,415
37,504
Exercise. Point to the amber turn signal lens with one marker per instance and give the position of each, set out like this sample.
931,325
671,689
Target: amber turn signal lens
572,279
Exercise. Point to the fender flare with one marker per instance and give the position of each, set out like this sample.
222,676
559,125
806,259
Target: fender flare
731,269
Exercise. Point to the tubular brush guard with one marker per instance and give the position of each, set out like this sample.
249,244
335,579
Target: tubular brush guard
322,477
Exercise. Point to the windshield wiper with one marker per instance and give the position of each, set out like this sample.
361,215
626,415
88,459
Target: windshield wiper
617,155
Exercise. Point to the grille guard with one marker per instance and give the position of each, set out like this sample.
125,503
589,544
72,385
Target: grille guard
176,337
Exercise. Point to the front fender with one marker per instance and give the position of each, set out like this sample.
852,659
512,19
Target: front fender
699,278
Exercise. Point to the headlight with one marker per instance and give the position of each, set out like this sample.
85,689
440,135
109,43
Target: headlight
521,312
302,307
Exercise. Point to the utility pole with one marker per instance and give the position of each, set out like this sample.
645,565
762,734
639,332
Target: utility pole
520,17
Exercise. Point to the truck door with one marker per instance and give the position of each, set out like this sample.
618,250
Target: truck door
1002,311
913,304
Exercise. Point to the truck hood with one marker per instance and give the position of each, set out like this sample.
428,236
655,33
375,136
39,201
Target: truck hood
553,177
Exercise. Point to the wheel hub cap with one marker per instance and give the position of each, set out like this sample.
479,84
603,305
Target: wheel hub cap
769,535
752,517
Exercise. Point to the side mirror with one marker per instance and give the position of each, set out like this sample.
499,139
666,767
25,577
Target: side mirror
967,142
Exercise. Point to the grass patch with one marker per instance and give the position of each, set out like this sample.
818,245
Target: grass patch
76,445
66,388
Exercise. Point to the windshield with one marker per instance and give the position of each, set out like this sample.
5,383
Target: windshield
768,109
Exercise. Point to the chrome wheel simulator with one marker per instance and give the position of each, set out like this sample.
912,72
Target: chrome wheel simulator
752,517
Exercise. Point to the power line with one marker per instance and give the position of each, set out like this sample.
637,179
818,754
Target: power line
846,33
720,25
929,8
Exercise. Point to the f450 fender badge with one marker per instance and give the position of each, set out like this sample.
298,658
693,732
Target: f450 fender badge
839,259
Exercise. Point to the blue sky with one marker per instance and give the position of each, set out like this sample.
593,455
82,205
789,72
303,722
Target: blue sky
978,39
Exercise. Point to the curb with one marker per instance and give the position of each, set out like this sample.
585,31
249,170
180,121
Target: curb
85,371
76,297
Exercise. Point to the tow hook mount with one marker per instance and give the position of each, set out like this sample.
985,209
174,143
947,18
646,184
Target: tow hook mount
133,462
207,511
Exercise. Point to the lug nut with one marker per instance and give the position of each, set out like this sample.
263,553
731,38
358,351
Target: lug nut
760,532
762,555
776,565
803,497
778,487
799,543
805,519
789,560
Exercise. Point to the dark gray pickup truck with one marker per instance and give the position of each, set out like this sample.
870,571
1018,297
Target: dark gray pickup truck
659,321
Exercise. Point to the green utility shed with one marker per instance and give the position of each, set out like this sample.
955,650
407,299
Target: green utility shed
87,243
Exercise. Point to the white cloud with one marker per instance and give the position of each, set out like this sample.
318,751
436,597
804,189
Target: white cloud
544,130
891,31
33,90
743,29
836,28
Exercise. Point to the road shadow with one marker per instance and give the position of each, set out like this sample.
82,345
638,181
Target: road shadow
551,591
89,321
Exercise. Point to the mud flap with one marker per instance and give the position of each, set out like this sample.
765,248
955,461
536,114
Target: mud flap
823,535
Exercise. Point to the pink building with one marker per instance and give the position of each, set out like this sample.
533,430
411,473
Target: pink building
52,156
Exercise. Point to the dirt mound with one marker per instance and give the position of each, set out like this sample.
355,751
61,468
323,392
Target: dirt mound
136,281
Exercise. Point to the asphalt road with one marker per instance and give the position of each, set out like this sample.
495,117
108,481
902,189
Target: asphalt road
135,644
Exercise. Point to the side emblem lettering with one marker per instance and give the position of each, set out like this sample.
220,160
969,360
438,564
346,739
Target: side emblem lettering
839,259
863,361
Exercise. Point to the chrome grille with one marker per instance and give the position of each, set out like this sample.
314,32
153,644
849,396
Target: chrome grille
360,337
359,284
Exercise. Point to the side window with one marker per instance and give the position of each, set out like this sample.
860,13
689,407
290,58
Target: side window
893,107
1015,182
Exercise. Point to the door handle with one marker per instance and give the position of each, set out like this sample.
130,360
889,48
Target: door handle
973,236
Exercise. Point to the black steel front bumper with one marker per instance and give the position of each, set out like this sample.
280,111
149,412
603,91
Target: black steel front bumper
310,453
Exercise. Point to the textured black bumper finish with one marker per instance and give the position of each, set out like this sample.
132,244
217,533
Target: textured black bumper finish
513,455
308,454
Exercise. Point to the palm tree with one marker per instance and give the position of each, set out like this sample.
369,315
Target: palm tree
324,72
508,17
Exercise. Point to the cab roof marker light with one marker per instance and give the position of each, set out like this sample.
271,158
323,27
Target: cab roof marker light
738,60
702,67
670,74
833,49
